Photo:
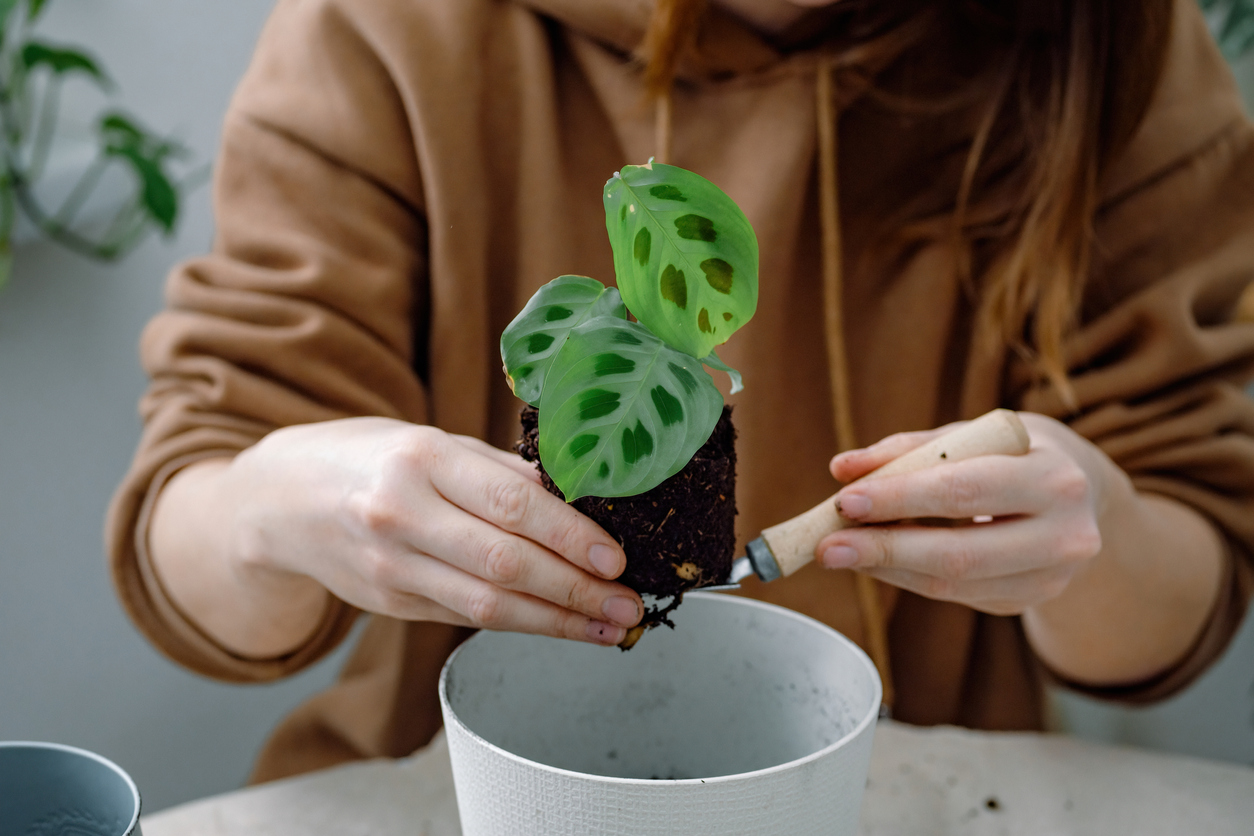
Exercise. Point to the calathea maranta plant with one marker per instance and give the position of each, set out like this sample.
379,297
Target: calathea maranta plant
624,405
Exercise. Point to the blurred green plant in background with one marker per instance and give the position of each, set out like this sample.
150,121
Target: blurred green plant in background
1232,21
32,72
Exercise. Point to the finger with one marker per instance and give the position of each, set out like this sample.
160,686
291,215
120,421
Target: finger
410,607
511,460
507,500
493,608
970,552
516,563
854,464
985,486
1007,595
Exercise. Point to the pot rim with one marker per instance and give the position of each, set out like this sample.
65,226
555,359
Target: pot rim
86,753
869,718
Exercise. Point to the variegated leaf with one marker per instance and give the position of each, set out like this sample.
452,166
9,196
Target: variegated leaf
622,411
685,256
532,340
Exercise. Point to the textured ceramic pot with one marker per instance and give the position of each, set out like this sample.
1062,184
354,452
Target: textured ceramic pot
47,789
746,719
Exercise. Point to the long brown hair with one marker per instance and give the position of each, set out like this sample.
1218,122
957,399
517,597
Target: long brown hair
1065,86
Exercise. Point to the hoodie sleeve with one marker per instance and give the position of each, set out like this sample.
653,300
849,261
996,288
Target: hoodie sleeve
1163,355
302,312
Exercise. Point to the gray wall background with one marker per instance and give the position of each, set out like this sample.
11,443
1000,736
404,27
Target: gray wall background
72,669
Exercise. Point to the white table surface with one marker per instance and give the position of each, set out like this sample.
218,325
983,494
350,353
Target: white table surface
923,781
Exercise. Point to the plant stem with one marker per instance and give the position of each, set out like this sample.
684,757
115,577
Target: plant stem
82,190
131,238
122,221
8,211
45,128
63,235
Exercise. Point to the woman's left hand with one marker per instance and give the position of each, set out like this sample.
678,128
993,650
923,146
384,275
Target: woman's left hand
1046,509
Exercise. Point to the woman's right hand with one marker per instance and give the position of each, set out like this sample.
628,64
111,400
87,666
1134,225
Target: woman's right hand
394,518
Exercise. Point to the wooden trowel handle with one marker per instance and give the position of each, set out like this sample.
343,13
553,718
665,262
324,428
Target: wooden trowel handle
999,432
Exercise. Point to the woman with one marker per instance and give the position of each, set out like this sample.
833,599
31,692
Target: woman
1042,205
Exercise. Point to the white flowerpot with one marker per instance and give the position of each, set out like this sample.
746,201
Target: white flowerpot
747,718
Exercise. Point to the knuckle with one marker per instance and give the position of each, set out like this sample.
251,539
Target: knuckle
423,446
880,548
375,510
1054,586
566,537
962,492
1003,608
1082,542
502,564
579,595
486,607
569,625
885,549
1069,482
381,571
940,589
892,442
956,563
393,602
507,501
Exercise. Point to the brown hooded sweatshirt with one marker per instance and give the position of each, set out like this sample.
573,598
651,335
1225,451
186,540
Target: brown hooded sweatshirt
399,176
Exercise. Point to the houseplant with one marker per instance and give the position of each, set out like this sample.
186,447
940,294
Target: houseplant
32,73
1232,22
625,421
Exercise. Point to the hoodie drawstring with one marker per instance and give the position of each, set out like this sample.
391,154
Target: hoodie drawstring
662,131
873,624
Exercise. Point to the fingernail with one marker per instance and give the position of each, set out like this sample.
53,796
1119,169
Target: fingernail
839,557
853,505
621,611
605,633
604,559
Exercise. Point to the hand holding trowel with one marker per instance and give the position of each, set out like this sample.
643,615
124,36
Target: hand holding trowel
783,549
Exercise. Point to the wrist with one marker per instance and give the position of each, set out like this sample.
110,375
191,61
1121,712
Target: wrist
252,552
1137,608
230,589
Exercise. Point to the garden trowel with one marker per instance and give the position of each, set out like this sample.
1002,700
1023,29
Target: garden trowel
783,549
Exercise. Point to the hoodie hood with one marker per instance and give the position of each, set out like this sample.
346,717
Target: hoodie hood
725,45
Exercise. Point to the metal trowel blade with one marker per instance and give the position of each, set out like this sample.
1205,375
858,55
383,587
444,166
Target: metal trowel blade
742,567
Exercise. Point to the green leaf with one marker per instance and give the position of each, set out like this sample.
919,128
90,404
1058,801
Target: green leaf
622,411
6,9
1232,24
1238,30
34,8
146,155
685,255
60,61
737,381
532,340
159,197
118,130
